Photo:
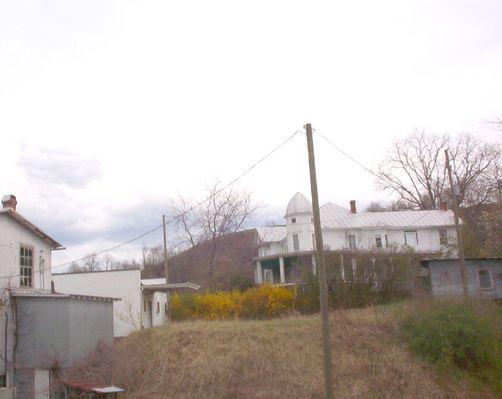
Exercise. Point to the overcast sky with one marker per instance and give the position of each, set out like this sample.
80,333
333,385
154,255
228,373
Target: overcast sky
108,109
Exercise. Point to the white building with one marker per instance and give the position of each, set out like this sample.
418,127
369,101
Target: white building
143,303
344,229
38,327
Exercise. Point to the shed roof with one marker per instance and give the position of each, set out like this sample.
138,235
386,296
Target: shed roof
90,386
37,293
425,262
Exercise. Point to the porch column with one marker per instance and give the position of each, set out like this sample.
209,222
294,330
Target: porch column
314,266
281,269
259,273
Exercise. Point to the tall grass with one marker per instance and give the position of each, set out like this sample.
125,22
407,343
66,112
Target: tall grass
466,336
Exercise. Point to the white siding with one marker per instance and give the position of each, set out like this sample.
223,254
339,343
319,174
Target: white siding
12,236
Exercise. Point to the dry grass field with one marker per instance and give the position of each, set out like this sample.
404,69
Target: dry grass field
278,358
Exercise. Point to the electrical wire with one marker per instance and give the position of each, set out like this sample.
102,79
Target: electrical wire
346,154
365,168
195,206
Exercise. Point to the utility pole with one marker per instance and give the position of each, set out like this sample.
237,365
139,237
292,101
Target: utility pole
460,241
321,263
165,247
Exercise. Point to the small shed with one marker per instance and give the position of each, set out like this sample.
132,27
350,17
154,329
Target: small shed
484,277
77,388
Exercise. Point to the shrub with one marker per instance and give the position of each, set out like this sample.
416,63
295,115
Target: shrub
219,305
461,334
266,301
182,306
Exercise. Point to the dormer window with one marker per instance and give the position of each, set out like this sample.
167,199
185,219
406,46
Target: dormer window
25,267
293,220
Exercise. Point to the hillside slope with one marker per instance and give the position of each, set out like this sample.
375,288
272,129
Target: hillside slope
233,259
273,359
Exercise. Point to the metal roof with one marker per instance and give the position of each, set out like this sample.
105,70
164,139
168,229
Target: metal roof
333,218
168,287
271,234
36,293
298,204
90,386
26,223
425,262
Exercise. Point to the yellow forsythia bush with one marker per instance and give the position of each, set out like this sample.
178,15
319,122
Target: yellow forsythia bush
266,301
260,302
217,305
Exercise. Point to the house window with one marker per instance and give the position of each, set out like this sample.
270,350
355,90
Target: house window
296,243
26,267
443,237
166,310
158,307
485,279
293,220
411,238
386,241
3,381
352,242
378,241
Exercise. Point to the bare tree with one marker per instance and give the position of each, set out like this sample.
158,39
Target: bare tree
75,267
414,168
376,206
109,262
92,262
225,212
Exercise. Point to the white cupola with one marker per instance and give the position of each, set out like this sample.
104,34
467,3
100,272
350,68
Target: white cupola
300,224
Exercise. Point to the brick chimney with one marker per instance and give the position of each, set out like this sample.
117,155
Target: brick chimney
443,206
353,206
9,201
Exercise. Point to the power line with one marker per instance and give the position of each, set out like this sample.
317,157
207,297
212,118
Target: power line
197,205
346,154
365,168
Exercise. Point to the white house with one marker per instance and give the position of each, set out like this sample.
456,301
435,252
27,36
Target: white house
344,229
40,330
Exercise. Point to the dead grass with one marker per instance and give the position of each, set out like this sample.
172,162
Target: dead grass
275,359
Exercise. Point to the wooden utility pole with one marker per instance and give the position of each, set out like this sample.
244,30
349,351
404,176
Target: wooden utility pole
321,267
460,241
165,247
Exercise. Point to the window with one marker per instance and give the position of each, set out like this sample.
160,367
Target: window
411,238
166,310
296,243
3,381
158,307
386,241
352,242
378,241
26,267
293,220
485,279
443,237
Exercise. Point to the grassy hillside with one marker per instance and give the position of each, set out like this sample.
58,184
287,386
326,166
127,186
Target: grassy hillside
275,359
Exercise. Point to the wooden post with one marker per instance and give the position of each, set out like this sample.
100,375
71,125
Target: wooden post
165,247
460,241
321,265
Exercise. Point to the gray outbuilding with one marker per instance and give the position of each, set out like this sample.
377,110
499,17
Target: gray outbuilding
484,277
55,332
